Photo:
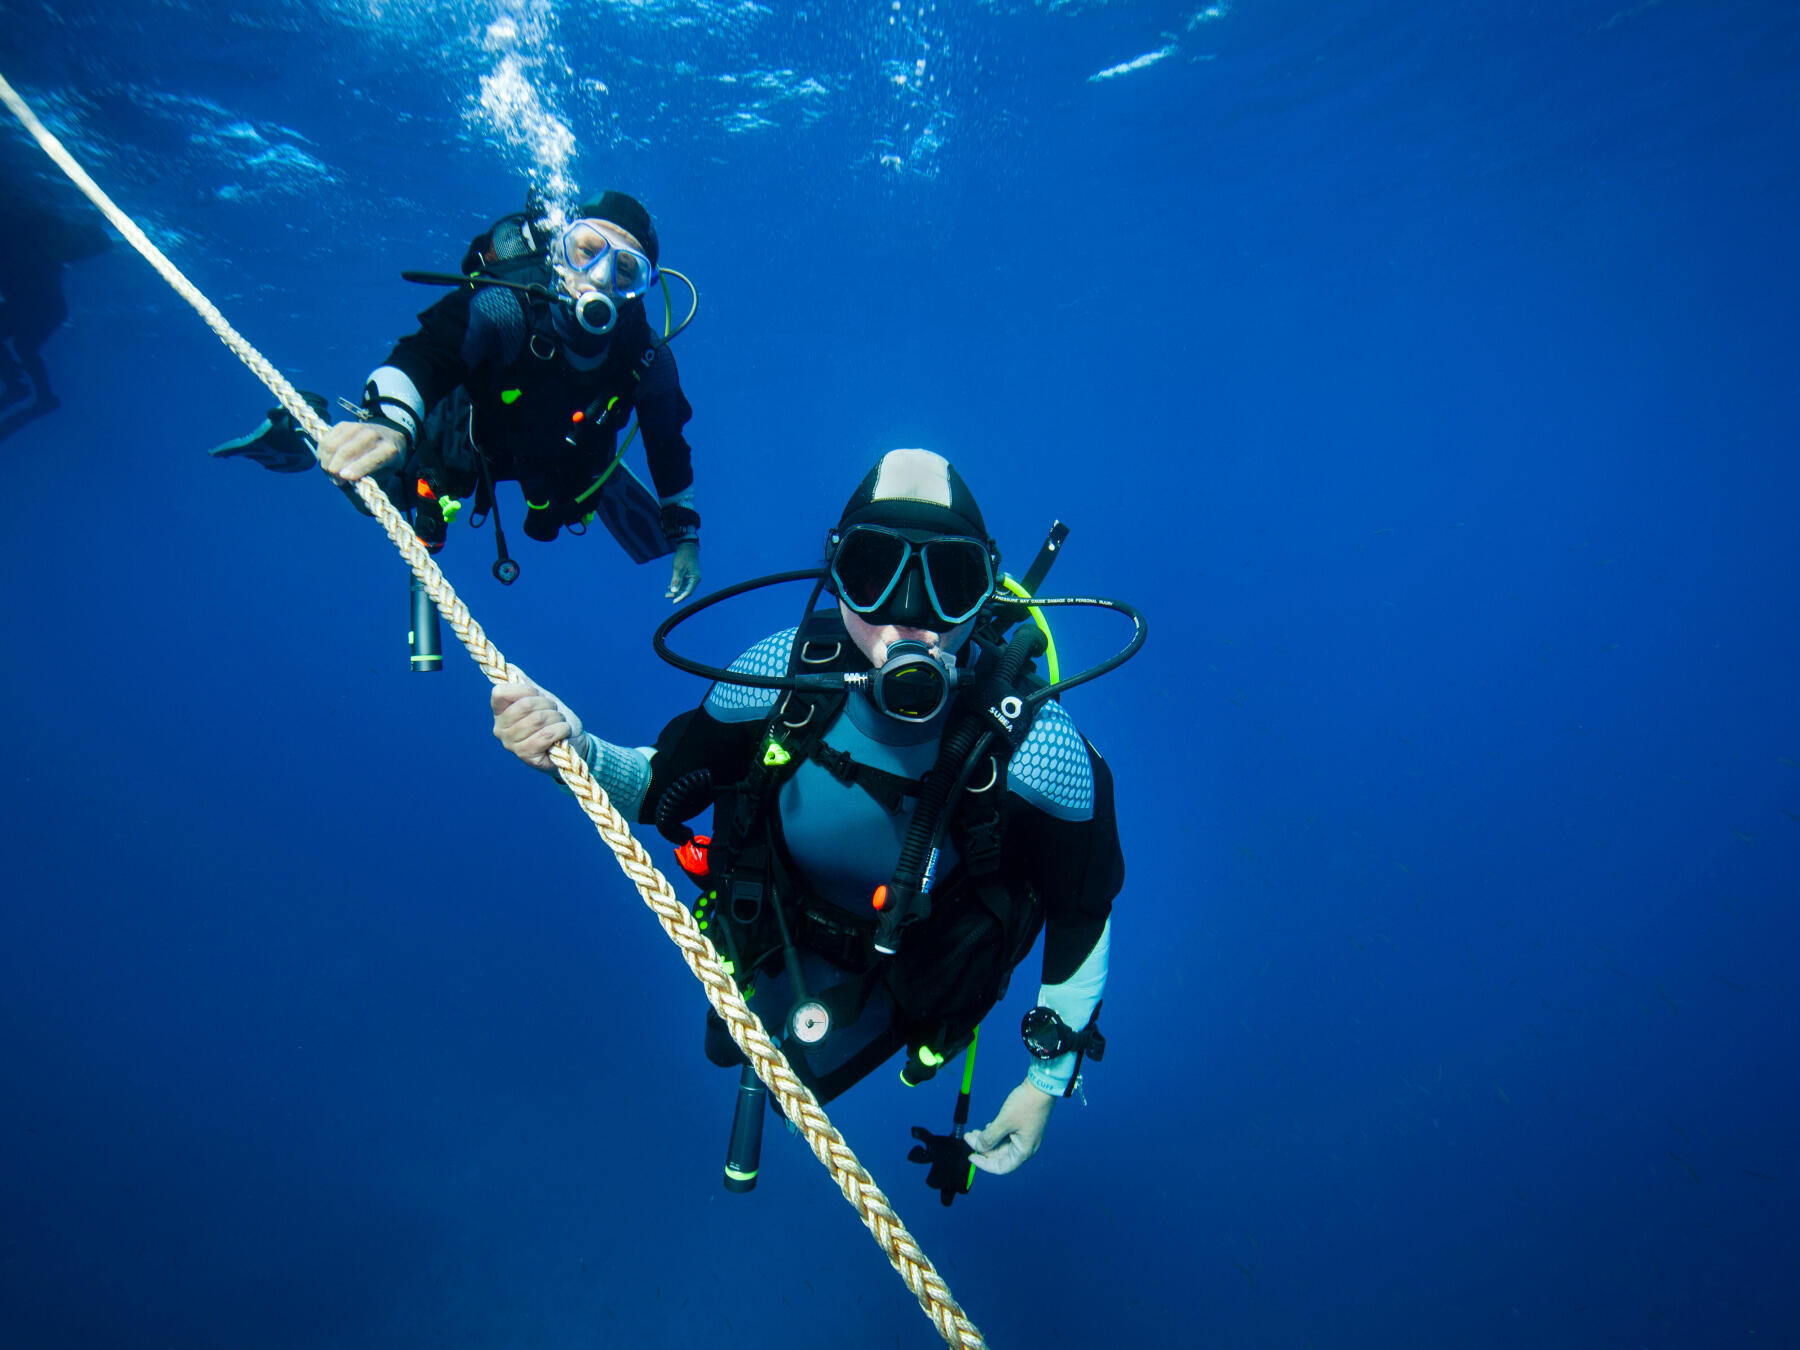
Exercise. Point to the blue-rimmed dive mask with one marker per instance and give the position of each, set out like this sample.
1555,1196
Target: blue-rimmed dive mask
620,272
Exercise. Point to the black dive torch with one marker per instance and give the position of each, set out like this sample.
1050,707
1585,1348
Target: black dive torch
744,1154
427,641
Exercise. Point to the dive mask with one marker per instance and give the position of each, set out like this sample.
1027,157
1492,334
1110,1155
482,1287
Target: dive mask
908,577
622,273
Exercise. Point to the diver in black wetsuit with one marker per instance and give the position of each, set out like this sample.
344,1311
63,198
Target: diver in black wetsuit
820,796
38,243
528,375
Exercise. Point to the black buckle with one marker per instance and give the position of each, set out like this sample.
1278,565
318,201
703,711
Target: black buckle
749,875
981,845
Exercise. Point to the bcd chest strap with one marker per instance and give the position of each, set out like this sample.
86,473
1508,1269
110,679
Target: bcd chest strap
890,790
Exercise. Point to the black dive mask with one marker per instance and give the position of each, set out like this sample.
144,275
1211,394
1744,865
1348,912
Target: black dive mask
911,578
912,685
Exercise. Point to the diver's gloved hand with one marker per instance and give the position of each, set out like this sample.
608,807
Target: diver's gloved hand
685,575
948,1156
529,720
353,450
1015,1134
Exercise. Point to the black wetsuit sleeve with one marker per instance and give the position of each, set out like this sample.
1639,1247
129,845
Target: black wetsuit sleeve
662,412
697,740
1076,866
434,358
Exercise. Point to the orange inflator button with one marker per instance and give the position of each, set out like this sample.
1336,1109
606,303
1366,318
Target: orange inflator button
692,856
880,900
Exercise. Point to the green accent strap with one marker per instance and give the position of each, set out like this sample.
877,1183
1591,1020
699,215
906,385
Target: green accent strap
538,506
736,1175
969,1061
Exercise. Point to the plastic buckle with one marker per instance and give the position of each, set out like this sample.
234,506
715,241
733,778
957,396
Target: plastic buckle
981,845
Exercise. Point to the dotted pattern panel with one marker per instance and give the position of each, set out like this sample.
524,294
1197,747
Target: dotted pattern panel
735,702
1051,770
501,311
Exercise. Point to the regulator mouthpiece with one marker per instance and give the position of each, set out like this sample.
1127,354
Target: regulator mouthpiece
596,313
912,685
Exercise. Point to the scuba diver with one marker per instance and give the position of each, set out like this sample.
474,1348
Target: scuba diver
899,807
39,242
528,371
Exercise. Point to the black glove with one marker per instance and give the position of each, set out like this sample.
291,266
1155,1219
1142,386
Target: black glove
951,1171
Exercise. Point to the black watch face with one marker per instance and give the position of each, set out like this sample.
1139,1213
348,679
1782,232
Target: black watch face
1043,1033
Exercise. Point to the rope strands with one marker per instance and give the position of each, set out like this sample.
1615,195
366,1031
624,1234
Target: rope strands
797,1100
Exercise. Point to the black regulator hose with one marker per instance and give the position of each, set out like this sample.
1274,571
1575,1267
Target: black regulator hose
535,289
683,799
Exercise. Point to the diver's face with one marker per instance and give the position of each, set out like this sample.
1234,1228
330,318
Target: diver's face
577,284
874,639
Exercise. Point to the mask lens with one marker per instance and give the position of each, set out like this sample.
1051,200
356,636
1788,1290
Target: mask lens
867,563
583,246
631,273
960,575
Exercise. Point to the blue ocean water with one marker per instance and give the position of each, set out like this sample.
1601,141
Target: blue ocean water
1425,373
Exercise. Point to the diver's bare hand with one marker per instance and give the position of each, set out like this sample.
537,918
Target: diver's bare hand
530,722
1015,1134
353,450
684,576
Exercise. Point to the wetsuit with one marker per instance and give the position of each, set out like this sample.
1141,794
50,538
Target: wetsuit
1059,846
538,396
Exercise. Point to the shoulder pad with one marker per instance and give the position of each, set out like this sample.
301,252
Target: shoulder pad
1051,770
741,703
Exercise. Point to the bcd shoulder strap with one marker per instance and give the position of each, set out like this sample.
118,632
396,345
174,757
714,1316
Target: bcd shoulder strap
793,732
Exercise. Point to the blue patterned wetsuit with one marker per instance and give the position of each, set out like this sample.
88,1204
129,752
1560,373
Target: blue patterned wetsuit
1059,838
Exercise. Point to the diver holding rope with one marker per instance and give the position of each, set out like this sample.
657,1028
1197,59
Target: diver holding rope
528,371
899,806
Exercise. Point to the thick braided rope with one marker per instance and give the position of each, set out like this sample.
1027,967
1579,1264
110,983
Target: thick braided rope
797,1100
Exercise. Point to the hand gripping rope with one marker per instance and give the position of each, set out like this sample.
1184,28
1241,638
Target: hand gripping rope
797,1101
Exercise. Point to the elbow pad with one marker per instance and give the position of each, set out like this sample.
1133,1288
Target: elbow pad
391,399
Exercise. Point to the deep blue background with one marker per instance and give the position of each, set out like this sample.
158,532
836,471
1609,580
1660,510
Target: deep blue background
1426,373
